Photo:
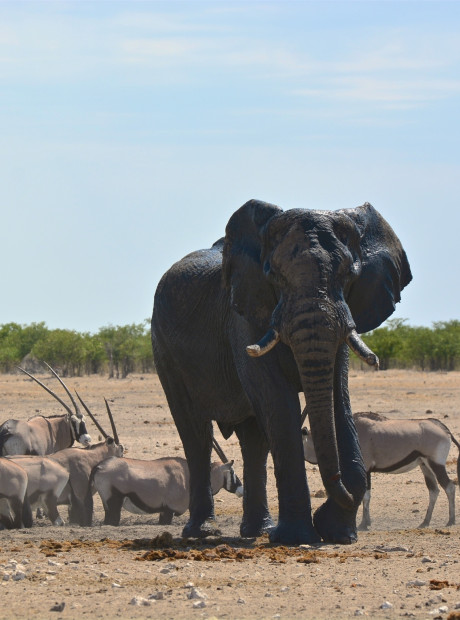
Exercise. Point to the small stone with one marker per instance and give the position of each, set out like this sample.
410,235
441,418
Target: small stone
53,563
103,576
199,604
386,605
190,584
443,609
284,589
241,601
158,596
417,583
140,601
19,575
268,594
165,571
426,559
359,612
58,606
195,593
6,576
116,585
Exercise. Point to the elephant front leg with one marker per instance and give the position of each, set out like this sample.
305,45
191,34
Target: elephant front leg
334,523
254,449
295,525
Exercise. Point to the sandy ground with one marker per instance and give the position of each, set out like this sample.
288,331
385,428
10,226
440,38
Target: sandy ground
142,570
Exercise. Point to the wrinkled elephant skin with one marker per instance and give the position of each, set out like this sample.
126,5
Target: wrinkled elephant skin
268,312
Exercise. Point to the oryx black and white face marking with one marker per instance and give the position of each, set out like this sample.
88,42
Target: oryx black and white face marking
79,431
232,483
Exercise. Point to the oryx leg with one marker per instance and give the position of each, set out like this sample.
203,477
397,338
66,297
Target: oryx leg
27,518
52,510
81,511
112,507
17,507
366,520
449,487
433,490
166,516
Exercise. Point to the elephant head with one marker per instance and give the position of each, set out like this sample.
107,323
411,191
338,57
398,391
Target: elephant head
313,280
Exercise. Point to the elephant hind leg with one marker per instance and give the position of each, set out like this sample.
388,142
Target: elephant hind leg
195,432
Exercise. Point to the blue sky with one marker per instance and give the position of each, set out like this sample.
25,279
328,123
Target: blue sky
131,131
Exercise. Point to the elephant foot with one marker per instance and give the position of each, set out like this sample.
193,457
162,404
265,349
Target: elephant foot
335,524
294,532
251,528
200,530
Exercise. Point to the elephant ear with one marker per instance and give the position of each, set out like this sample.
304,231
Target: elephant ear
385,270
250,293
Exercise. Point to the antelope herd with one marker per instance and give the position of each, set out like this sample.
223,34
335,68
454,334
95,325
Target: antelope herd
40,469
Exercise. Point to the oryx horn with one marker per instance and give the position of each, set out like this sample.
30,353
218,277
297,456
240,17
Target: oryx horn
98,426
77,410
112,423
219,451
66,407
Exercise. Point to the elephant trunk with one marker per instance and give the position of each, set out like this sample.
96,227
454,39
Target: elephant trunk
314,336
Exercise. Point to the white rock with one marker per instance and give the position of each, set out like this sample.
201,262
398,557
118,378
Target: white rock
417,582
53,563
457,605
386,605
443,609
190,584
195,593
140,601
359,612
116,585
199,604
285,589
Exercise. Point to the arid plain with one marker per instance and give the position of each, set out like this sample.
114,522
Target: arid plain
141,569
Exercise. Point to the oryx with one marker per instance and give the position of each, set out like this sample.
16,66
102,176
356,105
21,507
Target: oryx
396,446
46,480
160,485
15,511
79,462
44,435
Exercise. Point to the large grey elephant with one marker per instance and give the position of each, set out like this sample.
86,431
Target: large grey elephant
240,329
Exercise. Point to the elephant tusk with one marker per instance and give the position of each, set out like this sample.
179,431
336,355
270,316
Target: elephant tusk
265,344
361,349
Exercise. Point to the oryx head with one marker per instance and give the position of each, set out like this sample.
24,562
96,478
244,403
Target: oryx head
232,483
75,419
113,443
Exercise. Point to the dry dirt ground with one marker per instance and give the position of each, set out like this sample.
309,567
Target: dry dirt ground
142,570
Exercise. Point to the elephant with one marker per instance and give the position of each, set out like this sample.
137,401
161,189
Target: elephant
267,313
